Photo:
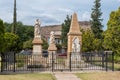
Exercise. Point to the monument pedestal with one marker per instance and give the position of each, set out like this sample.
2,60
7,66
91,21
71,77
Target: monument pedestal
37,59
52,47
52,52
75,61
37,46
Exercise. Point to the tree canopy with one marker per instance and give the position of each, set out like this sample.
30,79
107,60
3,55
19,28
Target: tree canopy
27,44
14,26
65,30
112,34
96,19
87,41
12,42
2,32
25,32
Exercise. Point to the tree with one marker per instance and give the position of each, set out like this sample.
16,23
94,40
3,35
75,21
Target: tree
14,19
45,44
12,42
24,32
114,20
97,44
112,34
8,27
96,19
65,30
87,41
27,44
2,31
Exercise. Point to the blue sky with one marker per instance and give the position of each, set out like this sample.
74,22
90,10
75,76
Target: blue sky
53,11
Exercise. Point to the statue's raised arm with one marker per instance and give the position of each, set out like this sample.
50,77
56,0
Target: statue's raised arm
37,29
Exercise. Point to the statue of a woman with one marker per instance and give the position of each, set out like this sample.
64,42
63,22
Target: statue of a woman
76,45
52,37
37,29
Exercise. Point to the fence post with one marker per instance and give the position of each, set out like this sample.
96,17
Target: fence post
14,62
1,62
103,55
70,62
112,61
91,58
106,61
52,62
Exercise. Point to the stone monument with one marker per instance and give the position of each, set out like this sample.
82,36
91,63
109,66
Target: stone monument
37,41
74,39
37,60
52,47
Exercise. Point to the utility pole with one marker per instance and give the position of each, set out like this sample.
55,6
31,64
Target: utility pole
14,19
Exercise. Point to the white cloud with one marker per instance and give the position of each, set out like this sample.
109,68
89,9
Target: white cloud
85,16
53,11
65,10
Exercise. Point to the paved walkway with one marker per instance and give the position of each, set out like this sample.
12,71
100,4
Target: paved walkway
66,76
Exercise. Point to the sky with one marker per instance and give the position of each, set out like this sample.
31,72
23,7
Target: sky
53,12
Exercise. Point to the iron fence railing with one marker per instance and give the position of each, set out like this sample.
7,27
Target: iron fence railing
54,62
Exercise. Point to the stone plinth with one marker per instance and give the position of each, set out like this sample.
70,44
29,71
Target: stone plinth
52,47
52,50
52,56
37,46
37,61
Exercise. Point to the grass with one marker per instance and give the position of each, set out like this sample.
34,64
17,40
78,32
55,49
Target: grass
99,76
117,66
61,59
34,76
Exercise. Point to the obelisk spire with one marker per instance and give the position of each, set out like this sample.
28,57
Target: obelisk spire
74,27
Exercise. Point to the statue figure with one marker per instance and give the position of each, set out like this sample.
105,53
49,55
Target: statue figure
37,29
76,45
52,37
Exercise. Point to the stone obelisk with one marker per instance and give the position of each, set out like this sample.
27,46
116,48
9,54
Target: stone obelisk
74,37
37,41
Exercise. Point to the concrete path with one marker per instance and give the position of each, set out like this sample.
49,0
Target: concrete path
66,76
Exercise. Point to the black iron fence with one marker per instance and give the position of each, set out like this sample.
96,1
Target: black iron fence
54,62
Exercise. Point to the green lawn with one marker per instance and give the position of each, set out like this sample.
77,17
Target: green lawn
34,76
117,67
99,76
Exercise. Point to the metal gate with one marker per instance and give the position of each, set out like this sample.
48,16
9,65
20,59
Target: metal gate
53,62
60,63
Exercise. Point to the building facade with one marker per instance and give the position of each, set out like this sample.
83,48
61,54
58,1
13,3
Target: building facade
45,31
